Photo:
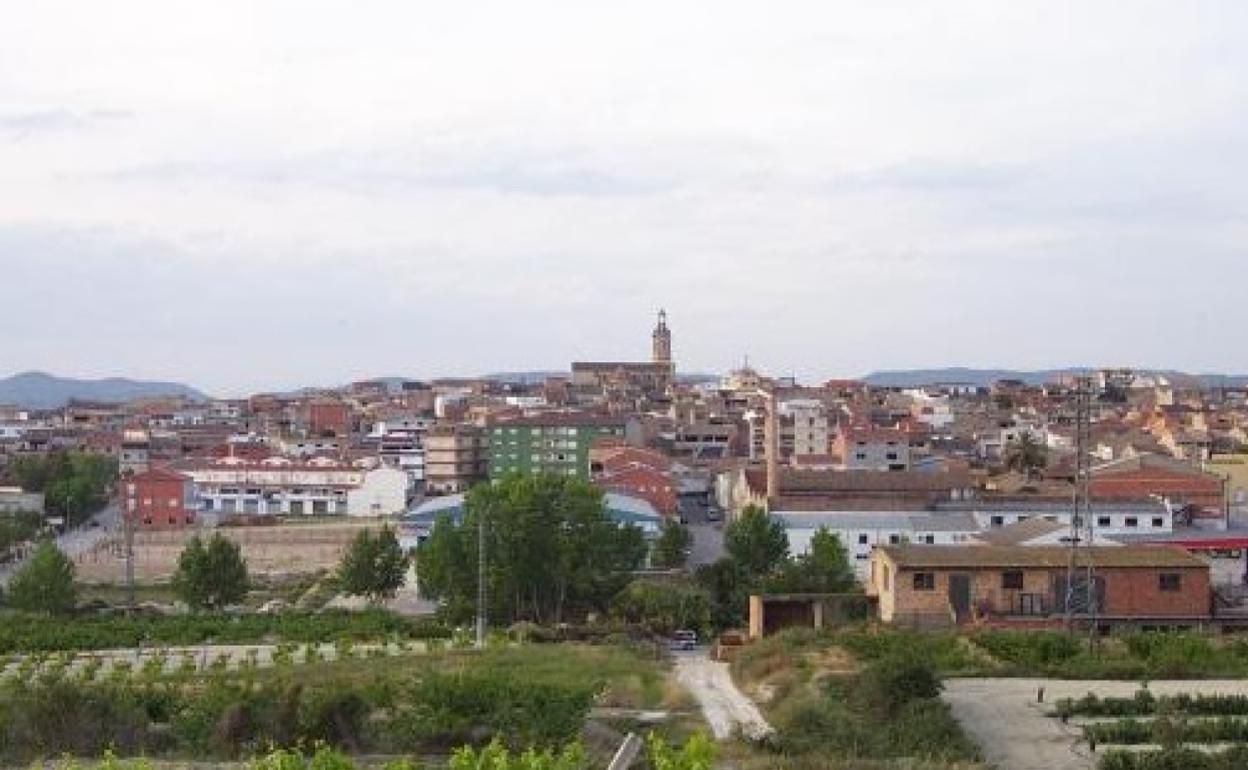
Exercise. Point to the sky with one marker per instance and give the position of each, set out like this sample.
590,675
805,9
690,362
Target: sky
247,195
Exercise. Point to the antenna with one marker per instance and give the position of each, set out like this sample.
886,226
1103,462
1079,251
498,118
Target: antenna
1082,535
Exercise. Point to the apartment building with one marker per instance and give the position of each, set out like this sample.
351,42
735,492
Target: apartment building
159,498
557,442
455,458
873,449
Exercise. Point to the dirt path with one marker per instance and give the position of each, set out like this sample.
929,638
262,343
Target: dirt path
724,706
1013,731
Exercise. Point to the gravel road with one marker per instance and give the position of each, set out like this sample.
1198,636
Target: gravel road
724,706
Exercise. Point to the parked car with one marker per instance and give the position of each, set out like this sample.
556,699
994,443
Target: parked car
684,640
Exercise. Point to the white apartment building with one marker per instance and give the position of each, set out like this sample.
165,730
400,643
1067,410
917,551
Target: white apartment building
282,486
808,419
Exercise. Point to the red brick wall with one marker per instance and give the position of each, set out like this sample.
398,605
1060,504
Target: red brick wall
158,503
1137,592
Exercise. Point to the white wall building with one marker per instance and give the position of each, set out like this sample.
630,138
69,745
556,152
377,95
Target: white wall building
281,486
861,532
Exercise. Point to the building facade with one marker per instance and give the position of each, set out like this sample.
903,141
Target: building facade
455,458
159,498
280,486
556,443
1027,586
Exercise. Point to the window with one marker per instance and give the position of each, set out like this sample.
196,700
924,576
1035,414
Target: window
929,539
1170,581
894,539
1012,580
862,540
1158,522
1131,521
997,521
891,456
1102,521
925,581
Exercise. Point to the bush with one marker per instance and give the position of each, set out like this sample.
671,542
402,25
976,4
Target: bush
35,633
892,683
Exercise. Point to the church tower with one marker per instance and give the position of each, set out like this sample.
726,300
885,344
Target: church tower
662,341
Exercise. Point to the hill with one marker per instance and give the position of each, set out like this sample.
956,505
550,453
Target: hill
37,390
913,378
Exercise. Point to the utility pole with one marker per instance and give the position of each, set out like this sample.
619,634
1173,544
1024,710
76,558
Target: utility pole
481,579
1082,533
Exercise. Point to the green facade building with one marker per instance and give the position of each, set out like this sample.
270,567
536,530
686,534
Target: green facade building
551,443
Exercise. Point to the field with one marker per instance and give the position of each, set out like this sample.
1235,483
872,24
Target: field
1016,731
817,691
279,550
366,700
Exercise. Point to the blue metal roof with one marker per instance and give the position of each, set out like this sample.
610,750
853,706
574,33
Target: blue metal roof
623,509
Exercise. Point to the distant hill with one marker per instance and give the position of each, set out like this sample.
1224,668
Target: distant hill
913,378
37,390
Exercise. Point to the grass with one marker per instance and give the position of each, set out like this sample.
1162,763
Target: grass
834,706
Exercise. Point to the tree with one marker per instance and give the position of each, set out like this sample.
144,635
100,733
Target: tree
373,566
825,568
756,542
729,591
550,545
671,549
75,484
46,583
1026,455
210,576
663,607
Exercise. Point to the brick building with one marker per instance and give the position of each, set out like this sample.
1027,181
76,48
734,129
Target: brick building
159,498
935,585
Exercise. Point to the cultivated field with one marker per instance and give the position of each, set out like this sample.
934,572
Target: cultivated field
1015,731
278,550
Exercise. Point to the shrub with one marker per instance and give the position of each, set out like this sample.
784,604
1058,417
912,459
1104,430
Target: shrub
892,683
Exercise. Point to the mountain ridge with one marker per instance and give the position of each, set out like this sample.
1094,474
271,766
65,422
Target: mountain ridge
41,390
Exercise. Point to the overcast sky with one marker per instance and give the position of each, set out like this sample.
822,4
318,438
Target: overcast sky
251,195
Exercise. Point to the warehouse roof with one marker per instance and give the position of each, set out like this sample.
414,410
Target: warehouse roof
1044,557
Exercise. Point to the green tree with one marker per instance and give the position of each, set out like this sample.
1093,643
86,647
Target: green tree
671,549
374,566
1026,455
728,587
756,542
663,607
825,568
75,484
211,576
46,583
550,545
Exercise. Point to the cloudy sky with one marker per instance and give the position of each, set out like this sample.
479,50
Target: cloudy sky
249,195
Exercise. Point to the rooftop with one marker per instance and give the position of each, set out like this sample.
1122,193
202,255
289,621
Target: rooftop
1044,557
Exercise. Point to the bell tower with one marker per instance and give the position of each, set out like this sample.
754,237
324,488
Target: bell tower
662,341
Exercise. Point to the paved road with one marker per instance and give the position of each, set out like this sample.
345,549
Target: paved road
708,537
725,707
1014,732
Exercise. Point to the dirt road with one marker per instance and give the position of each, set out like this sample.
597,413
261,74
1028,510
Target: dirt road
1013,731
724,706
